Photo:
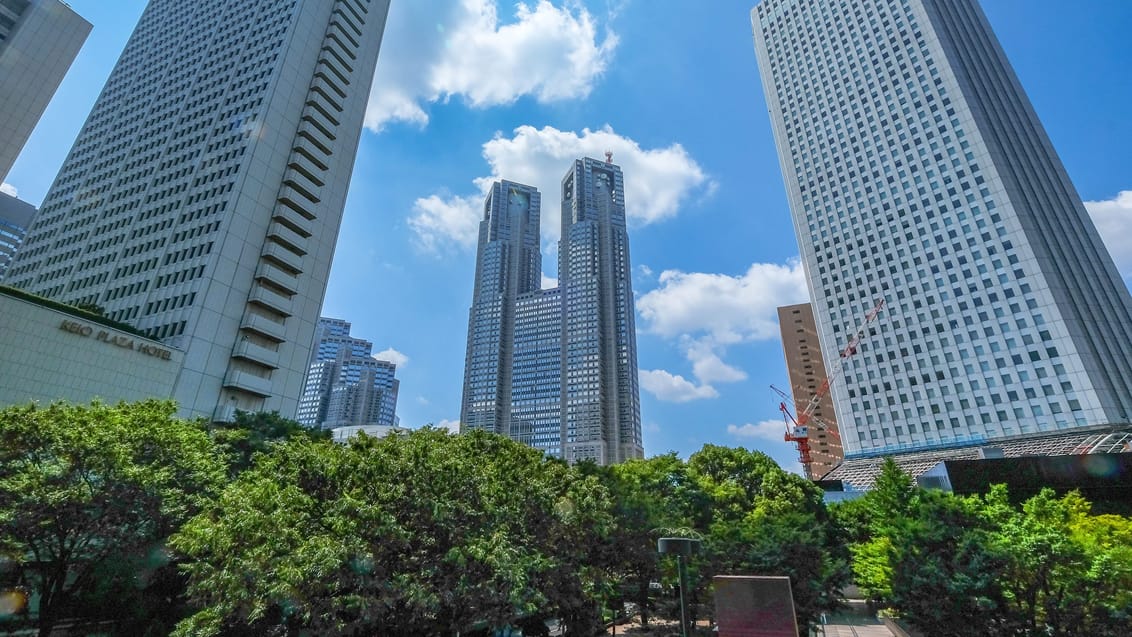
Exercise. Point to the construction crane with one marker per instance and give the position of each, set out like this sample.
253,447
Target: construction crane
797,428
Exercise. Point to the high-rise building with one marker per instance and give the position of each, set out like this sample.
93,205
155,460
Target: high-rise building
918,173
806,367
15,217
345,385
556,369
202,200
38,41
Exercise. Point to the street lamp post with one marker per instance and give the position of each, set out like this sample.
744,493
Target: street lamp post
681,547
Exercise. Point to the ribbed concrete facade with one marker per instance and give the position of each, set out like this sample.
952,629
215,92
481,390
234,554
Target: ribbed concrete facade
202,200
918,173
806,367
556,369
38,41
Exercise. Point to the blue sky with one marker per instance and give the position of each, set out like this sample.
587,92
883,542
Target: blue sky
468,90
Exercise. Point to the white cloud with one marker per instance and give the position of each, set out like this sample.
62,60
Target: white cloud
8,189
393,356
729,309
672,388
437,222
451,425
658,181
766,430
549,282
707,365
704,313
434,50
645,270
1114,222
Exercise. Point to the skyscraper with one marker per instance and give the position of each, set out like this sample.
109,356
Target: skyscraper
345,385
38,41
556,369
202,200
15,217
806,367
918,173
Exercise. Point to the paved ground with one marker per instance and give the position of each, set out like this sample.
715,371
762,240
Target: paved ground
857,630
845,627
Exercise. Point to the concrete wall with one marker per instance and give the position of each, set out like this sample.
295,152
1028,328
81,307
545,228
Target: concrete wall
48,355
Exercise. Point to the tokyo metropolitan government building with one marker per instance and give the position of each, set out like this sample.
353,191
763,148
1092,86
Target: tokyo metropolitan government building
556,369
918,173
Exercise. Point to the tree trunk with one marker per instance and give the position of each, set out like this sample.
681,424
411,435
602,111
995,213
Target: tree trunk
643,600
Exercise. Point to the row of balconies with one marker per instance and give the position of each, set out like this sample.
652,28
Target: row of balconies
281,262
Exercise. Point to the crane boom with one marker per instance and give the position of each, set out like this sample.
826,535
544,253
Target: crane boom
797,429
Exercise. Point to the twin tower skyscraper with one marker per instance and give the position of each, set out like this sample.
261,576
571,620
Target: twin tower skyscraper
556,369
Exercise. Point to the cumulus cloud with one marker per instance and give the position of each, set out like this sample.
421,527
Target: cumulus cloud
451,425
8,189
772,430
673,388
548,283
728,308
704,313
438,222
658,181
393,356
435,50
707,365
1114,222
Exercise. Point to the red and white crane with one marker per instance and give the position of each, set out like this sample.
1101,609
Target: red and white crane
797,428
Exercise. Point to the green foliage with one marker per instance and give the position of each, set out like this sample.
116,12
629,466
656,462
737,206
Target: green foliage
1069,573
954,566
650,496
945,574
82,486
765,521
255,432
424,533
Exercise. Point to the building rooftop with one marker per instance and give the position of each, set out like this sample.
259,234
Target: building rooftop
861,473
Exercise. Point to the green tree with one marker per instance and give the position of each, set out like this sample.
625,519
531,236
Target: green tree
651,498
255,432
1069,572
81,486
423,533
881,519
945,573
766,521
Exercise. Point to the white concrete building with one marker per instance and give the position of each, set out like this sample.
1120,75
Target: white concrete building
202,200
38,41
53,352
918,173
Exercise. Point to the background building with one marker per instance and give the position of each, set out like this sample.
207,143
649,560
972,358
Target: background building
38,41
807,372
556,369
345,385
15,217
918,173
202,200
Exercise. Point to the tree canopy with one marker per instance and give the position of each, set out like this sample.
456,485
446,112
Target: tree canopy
83,485
425,533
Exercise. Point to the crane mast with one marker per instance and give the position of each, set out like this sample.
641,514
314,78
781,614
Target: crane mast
797,428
